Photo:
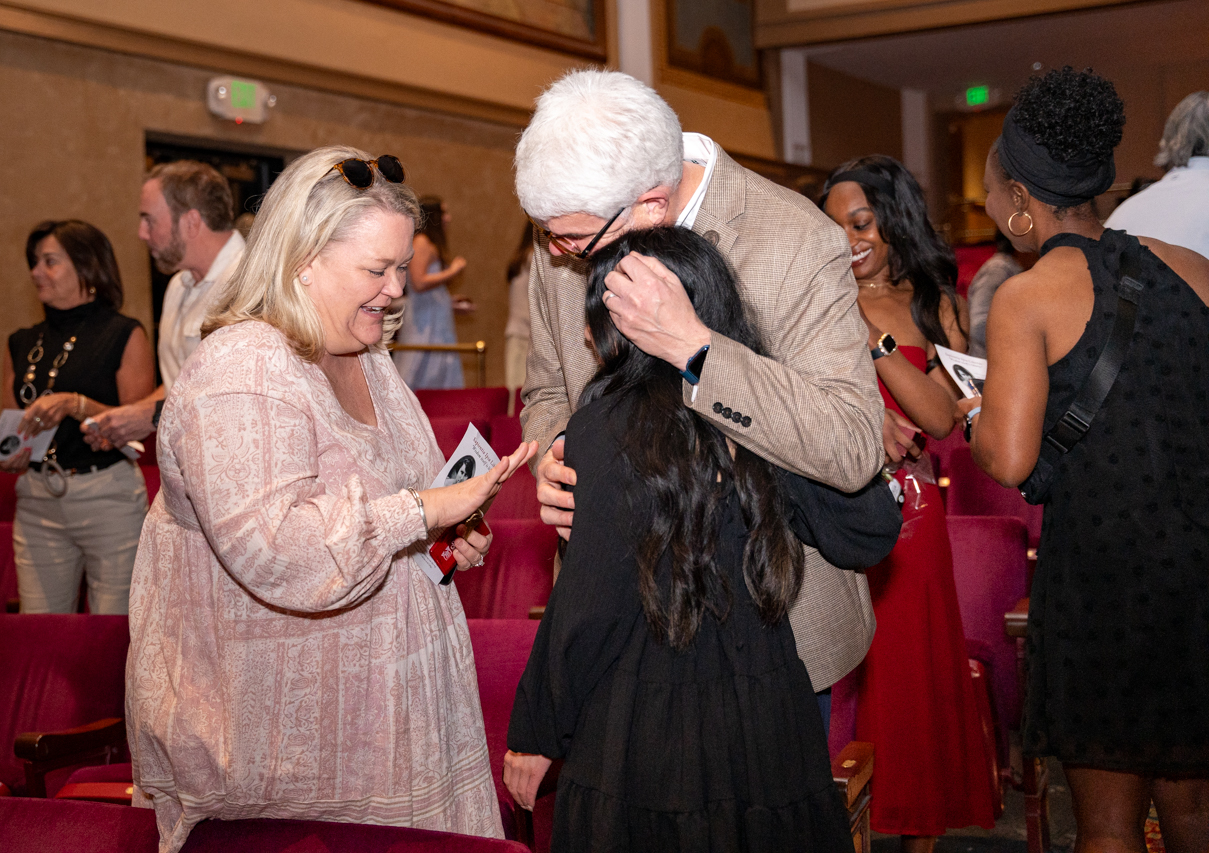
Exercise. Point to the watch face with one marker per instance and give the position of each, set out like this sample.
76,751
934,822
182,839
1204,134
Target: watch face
888,344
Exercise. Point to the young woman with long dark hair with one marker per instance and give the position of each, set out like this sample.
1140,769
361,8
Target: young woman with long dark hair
664,670
916,700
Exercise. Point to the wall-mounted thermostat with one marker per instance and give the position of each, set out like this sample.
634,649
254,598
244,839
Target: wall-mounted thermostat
239,100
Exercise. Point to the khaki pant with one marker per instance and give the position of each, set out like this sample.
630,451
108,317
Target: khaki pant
92,530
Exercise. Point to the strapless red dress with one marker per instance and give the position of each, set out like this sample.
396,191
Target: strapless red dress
915,696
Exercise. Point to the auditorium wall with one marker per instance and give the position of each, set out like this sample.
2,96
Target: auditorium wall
83,83
850,117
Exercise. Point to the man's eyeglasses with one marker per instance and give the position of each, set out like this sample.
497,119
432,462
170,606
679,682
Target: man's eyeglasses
360,174
566,245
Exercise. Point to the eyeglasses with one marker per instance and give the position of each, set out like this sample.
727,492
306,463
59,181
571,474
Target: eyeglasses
359,174
566,245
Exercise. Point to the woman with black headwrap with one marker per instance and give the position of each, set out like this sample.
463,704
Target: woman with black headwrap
1118,644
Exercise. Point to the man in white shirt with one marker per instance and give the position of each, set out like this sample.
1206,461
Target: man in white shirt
1175,209
186,218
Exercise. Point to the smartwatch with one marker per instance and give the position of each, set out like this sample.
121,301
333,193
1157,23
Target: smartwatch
692,370
885,345
159,410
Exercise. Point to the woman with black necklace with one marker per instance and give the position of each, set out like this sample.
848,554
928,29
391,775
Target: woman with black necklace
79,511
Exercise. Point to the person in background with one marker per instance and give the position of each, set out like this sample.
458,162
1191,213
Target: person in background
80,511
516,333
289,658
430,309
1176,208
186,219
998,268
1118,623
605,155
664,669
915,698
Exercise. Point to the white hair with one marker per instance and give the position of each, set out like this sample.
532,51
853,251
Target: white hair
1186,133
598,140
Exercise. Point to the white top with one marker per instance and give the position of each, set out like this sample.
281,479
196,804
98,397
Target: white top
185,304
1174,210
703,151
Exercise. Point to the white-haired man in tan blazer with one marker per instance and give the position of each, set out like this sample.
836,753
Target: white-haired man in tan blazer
605,154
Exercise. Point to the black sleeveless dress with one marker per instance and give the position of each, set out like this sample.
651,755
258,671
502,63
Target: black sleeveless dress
719,746
1118,642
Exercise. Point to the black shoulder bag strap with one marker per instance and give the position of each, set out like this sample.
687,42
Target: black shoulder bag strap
1076,421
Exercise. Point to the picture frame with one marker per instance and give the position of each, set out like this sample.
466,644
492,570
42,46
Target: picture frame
576,27
714,38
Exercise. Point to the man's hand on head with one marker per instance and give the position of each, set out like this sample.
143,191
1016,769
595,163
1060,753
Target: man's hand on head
650,307
557,505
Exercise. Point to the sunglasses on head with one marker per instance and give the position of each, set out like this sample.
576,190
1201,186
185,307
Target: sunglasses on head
360,174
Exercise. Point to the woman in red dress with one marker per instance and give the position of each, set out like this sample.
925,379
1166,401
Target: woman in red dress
915,696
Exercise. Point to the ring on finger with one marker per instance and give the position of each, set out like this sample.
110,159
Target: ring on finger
608,294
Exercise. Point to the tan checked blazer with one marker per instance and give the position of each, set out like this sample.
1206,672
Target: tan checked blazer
812,407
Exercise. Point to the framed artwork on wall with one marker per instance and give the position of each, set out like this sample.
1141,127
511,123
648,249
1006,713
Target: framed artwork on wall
715,38
570,26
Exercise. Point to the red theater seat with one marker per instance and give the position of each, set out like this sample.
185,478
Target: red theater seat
518,497
8,565
151,476
465,403
972,492
449,431
517,574
8,495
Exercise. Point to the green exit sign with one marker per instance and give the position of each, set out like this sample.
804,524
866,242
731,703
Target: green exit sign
977,95
243,95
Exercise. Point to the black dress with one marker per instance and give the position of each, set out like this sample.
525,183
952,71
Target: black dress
91,369
1118,641
718,747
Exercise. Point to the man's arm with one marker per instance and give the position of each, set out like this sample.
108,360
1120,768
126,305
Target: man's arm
547,407
132,422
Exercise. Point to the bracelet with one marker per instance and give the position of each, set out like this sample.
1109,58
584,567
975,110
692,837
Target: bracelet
81,412
420,507
970,422
970,414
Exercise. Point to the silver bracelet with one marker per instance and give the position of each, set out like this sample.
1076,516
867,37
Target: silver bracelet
420,507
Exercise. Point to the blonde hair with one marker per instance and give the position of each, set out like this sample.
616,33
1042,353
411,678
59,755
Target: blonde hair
309,205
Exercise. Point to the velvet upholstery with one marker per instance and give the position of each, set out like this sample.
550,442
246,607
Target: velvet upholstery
49,826
973,492
518,572
449,431
151,476
8,496
518,497
464,403
59,671
990,568
8,564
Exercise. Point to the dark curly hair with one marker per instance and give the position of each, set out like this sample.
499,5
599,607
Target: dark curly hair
683,459
917,253
1075,115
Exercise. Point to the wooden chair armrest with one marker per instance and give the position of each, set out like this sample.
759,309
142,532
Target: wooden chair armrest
50,746
1015,621
852,769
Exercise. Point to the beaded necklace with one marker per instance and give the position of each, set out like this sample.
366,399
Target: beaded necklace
28,392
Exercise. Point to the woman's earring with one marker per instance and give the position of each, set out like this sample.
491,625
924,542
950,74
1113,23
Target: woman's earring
307,279
1012,230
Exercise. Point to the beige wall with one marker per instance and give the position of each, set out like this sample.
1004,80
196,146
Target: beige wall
851,118
82,82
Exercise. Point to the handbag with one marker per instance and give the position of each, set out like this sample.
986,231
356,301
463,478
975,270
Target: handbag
1076,421
852,530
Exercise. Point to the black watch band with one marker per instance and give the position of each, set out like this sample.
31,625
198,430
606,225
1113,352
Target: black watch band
885,345
692,370
159,410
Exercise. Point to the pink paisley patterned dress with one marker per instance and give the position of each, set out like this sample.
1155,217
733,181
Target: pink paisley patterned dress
288,659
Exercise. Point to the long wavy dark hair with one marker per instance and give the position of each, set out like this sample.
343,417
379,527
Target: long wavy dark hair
683,459
917,252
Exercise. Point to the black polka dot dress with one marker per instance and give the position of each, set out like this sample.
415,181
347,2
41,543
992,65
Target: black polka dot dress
1118,643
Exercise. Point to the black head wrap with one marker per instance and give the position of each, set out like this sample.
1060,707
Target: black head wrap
1060,184
865,178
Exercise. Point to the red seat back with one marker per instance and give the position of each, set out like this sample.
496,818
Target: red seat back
58,672
990,568
518,497
151,476
8,565
449,431
518,572
8,495
465,403
943,450
973,492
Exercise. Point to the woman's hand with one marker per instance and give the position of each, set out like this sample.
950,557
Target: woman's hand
898,437
17,463
47,413
456,266
523,774
449,505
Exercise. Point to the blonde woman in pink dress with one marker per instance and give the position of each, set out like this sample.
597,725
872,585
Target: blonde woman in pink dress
288,657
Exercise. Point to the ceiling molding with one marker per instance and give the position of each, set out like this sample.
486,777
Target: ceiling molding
841,20
182,52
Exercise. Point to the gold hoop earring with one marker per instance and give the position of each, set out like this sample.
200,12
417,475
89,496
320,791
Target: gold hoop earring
1012,231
